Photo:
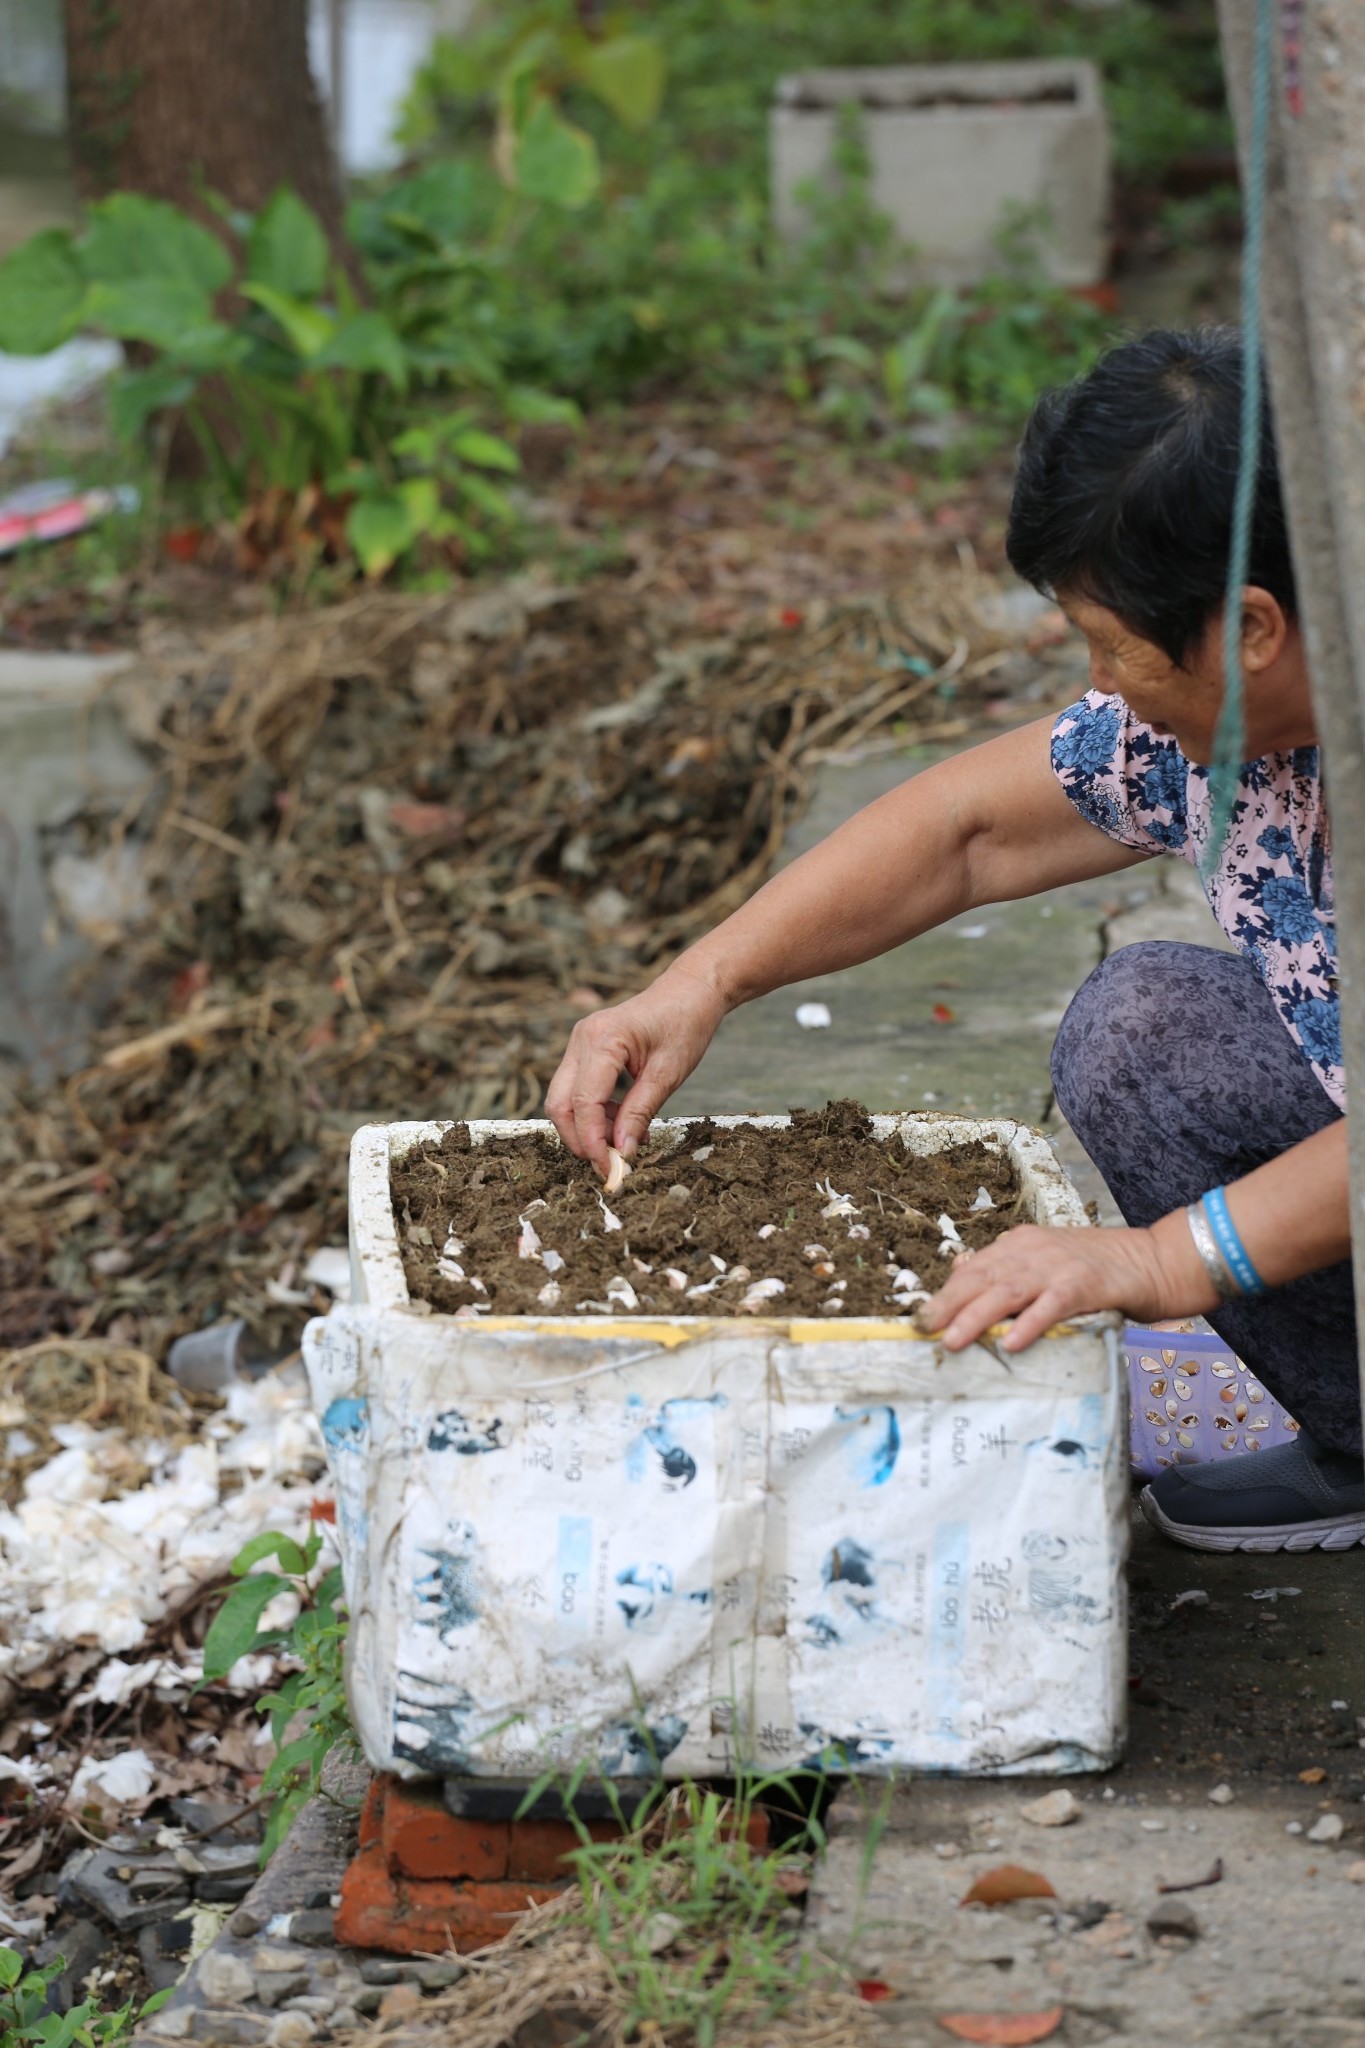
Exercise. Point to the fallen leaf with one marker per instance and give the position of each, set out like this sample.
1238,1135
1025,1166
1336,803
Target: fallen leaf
873,1990
1314,1775
322,1511
1003,2029
941,1014
424,821
1006,1882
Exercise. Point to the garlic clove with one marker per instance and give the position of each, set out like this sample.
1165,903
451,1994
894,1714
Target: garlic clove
640,1265
824,1267
983,1201
528,1244
618,1170
609,1222
552,1261
738,1273
761,1291
676,1279
817,1251
767,1230
549,1294
704,1287
859,1231
621,1290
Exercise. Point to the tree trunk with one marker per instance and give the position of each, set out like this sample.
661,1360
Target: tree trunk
178,97
1313,310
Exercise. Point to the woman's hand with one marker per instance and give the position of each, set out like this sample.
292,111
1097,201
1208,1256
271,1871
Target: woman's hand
657,1038
1040,1276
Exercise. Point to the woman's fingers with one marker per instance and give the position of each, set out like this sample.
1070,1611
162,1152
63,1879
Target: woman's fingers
1039,1276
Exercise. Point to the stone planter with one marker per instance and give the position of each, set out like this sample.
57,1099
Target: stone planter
685,1542
955,150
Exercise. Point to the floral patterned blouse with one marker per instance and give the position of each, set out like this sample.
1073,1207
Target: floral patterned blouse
1272,888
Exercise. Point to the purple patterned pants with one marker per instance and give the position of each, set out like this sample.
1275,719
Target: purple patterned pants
1176,1074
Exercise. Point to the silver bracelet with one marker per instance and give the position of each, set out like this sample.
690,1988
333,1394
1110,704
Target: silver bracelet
1206,1244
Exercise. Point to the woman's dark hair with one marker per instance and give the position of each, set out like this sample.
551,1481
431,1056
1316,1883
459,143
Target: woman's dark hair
1126,482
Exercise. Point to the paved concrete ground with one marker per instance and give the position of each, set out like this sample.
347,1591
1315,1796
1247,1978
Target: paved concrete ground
1226,1688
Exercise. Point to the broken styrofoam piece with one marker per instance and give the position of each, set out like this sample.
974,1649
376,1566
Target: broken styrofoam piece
86,1557
115,1781
878,1558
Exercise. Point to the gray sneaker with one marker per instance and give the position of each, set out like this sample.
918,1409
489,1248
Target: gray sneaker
1297,1497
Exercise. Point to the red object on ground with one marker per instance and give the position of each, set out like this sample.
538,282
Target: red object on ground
425,1881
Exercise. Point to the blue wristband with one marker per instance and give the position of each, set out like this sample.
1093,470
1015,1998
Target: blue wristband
1230,1244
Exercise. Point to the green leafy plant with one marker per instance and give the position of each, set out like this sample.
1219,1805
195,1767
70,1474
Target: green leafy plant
309,390
311,1701
25,2021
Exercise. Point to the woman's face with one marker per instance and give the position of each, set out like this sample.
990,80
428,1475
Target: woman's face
1185,702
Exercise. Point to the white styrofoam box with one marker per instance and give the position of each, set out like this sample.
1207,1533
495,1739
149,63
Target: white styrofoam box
955,147
687,1541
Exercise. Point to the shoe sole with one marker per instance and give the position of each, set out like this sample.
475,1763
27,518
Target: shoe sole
1339,1532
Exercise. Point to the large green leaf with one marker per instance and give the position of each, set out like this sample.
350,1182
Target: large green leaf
168,312
235,1629
367,341
555,160
486,451
309,329
627,72
286,248
41,289
380,528
445,199
132,237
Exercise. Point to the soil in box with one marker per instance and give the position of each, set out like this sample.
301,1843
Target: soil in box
817,1219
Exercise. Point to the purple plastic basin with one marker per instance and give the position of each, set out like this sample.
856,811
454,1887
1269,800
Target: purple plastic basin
1191,1399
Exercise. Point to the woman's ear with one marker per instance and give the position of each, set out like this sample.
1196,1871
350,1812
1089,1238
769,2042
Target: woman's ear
1265,629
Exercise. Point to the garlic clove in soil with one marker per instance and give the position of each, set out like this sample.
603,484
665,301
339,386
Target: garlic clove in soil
621,1290
703,1152
824,1267
716,1261
952,1239
549,1294
676,1279
448,1265
767,1230
983,1201
837,1204
903,1279
761,1291
859,1231
817,1251
833,1306
838,1287
552,1261
640,1265
470,1310
704,1287
609,1222
528,1244
618,1170
738,1273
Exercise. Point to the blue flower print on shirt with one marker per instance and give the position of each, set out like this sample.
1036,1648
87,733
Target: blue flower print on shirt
1089,746
1277,841
1317,1020
1163,786
1288,909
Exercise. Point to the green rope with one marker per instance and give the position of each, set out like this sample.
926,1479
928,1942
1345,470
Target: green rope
1229,739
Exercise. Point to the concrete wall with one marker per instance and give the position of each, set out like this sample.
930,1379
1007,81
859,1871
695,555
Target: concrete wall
955,149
